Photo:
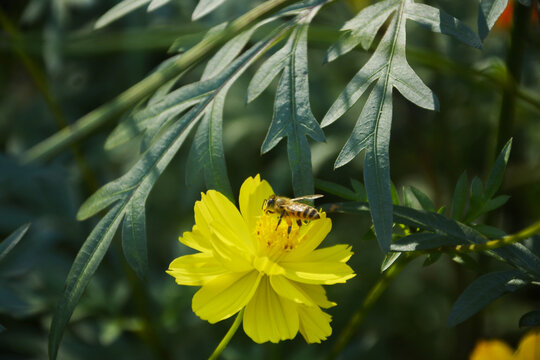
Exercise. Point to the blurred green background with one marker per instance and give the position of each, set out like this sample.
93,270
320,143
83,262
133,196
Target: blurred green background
120,316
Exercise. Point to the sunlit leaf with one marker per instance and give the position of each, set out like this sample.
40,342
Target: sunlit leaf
489,12
119,10
337,189
207,153
292,111
205,7
423,241
438,20
484,291
155,4
387,68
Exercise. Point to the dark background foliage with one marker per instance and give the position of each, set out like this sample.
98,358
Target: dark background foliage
120,316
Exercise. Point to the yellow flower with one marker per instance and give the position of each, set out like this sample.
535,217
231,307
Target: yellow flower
246,260
528,349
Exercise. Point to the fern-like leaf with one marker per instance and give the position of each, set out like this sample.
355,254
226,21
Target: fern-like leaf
386,69
292,111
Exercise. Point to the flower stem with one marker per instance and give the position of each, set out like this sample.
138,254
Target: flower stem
374,294
524,234
228,336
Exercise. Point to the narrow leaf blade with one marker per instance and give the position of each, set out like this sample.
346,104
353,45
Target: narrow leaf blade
459,199
134,236
205,7
483,291
496,176
119,10
82,270
13,239
489,12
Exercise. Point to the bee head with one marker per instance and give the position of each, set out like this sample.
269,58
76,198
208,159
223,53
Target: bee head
269,203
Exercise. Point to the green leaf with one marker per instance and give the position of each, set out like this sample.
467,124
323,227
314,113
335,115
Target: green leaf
489,12
13,239
292,112
336,189
515,254
496,176
132,189
160,112
205,7
423,241
388,68
489,231
459,199
495,203
134,186
84,266
363,28
134,235
439,21
206,153
227,53
119,10
269,70
532,318
389,259
424,200
483,291
155,4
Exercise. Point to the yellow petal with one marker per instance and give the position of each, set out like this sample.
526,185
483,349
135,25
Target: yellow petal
317,294
225,295
196,240
228,248
315,232
314,324
322,266
214,207
336,253
491,350
252,195
318,272
529,346
196,269
269,317
290,290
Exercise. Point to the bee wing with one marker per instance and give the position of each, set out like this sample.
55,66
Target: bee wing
308,197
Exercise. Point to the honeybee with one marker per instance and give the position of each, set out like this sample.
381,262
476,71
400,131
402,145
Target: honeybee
291,209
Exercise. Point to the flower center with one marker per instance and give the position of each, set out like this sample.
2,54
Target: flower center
274,239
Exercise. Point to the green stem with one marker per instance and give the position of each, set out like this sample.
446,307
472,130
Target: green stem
228,336
137,92
374,294
514,62
524,234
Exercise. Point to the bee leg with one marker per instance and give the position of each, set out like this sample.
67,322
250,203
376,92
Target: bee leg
299,222
289,222
279,221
